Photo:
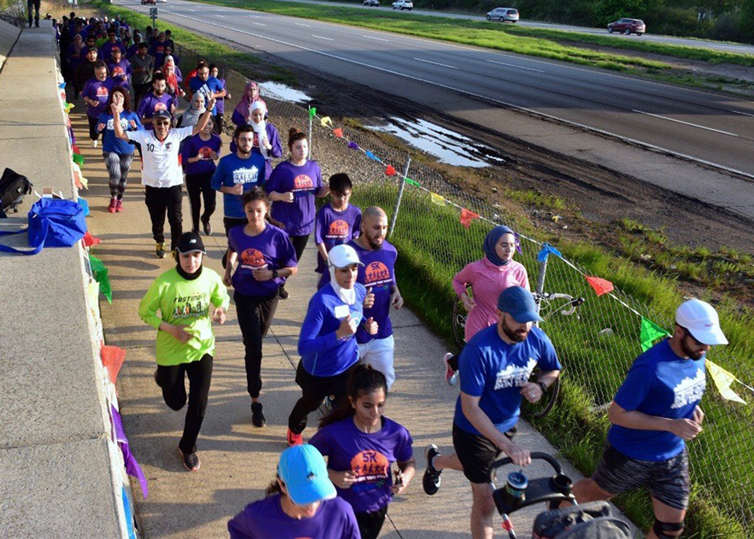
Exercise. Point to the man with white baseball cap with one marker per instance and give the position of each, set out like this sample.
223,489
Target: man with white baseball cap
655,412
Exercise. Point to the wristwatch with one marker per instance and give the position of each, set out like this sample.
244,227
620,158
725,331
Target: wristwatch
274,274
543,386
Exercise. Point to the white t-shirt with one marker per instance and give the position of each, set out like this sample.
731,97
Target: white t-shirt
161,168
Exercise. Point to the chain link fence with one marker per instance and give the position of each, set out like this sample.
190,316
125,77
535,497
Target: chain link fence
596,347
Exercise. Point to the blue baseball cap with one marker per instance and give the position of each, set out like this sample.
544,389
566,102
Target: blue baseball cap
304,472
519,303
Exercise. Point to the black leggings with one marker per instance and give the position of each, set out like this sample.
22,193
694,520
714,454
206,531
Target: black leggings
159,201
93,128
172,381
198,187
254,316
315,389
33,4
370,524
299,244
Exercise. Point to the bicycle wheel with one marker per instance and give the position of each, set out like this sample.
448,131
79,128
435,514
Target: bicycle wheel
543,407
459,323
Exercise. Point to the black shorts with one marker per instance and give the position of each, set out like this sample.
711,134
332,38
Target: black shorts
476,454
666,480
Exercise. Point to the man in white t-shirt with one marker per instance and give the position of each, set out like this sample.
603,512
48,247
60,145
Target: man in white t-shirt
161,173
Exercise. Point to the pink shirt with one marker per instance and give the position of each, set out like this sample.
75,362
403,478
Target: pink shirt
487,281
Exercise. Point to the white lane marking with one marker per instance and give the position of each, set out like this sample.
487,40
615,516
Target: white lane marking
375,38
686,123
221,16
302,24
322,37
517,67
258,24
512,106
434,63
742,113
191,9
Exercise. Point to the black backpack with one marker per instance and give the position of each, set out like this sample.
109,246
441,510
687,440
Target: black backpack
13,189
589,521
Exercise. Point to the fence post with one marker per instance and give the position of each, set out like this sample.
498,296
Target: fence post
541,283
400,196
311,121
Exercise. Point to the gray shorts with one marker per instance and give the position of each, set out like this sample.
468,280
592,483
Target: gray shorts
666,480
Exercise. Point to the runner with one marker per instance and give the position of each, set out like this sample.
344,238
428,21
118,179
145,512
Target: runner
185,342
495,367
111,44
266,136
265,258
156,100
336,222
199,154
173,77
203,83
292,187
142,65
96,94
214,71
487,277
326,344
119,68
361,445
301,502
85,70
193,112
157,49
161,173
118,154
242,113
654,413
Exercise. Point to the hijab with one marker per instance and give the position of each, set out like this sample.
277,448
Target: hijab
244,106
346,296
192,114
78,43
260,128
187,276
490,241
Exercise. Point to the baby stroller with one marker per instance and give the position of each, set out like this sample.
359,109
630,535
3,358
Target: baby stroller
589,521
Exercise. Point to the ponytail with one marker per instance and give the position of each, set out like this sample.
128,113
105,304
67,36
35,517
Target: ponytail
363,380
294,135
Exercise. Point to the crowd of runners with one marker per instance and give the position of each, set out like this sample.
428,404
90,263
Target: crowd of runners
132,84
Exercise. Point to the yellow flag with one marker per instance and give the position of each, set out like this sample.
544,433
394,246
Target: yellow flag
723,379
326,121
93,296
437,199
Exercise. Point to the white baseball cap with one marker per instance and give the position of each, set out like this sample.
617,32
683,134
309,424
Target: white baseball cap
342,256
701,320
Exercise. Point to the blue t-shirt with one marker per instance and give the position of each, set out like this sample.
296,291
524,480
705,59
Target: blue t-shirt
197,146
129,121
98,91
322,353
334,228
377,273
659,384
494,370
303,181
232,170
272,249
210,86
266,519
368,456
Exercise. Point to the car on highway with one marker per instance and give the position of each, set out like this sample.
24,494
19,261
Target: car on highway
145,2
627,26
503,14
372,3
403,4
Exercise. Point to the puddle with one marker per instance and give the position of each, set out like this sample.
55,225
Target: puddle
282,91
448,146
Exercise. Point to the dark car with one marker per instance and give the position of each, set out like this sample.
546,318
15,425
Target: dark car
372,3
627,26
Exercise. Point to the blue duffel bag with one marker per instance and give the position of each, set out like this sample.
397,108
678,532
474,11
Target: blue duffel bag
53,222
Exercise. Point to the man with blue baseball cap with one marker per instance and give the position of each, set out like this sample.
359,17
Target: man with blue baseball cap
301,502
495,369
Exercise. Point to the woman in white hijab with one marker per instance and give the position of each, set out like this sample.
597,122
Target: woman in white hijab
266,137
195,110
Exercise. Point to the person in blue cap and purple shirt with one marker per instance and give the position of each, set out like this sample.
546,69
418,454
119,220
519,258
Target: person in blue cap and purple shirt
496,367
301,502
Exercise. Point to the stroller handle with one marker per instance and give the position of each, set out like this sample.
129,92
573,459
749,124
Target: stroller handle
534,456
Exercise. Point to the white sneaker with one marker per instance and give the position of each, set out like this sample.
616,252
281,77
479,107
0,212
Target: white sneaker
95,143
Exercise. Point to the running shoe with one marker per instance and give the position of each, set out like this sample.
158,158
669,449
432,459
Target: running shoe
431,480
95,143
160,251
451,376
283,293
190,460
119,206
156,377
257,416
294,439
207,228
112,206
329,402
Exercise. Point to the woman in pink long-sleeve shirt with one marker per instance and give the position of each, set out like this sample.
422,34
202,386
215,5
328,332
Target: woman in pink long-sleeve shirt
487,277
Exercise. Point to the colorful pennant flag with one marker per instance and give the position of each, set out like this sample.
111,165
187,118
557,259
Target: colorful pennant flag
112,359
546,251
353,145
373,157
78,159
601,286
84,206
75,148
338,132
312,112
326,121
412,182
518,242
723,379
90,240
437,199
132,467
649,333
69,107
100,275
389,170
92,291
467,216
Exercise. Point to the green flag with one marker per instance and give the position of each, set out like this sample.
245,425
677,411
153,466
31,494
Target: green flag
312,112
78,159
650,332
100,275
412,182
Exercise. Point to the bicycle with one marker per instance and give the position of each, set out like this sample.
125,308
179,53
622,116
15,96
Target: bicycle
549,304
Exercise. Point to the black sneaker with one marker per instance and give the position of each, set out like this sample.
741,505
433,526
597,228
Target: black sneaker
191,461
257,416
431,480
283,293
207,228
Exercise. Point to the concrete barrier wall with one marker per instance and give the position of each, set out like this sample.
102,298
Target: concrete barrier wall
61,471
8,36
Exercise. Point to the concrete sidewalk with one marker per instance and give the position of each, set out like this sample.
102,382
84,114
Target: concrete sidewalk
238,461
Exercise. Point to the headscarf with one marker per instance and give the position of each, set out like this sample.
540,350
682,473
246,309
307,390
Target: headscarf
260,128
171,78
346,296
78,43
244,106
490,241
192,114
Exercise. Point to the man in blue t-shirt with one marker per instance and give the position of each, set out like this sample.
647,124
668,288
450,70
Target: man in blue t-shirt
495,369
203,83
654,413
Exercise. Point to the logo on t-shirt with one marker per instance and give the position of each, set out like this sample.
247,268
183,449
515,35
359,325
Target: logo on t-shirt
160,106
370,469
302,182
195,305
123,124
103,92
245,175
117,71
376,273
205,152
338,230
689,390
253,259
514,376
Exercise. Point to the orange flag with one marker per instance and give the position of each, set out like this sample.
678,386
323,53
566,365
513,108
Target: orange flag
338,132
112,359
601,286
390,171
467,216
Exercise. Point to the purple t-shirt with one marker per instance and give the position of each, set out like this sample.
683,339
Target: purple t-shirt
304,181
220,105
367,456
120,72
106,50
99,91
272,249
266,519
150,103
378,272
335,228
196,146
